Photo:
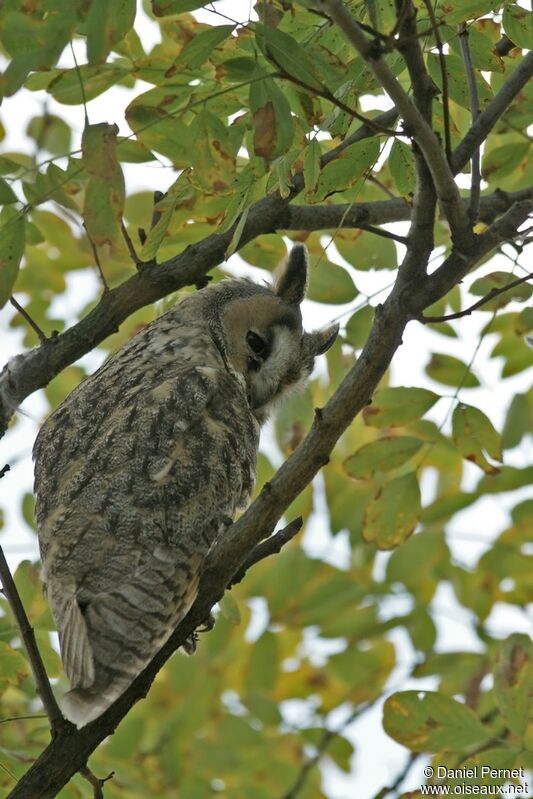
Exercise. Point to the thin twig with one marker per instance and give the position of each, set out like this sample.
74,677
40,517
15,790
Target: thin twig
25,315
444,78
447,190
393,787
96,258
495,292
474,110
23,718
96,782
493,112
324,92
131,248
4,470
28,636
327,737
270,546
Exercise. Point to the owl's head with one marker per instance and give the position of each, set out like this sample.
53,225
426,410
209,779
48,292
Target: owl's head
263,336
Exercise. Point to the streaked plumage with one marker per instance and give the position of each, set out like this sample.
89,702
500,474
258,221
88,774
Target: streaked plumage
138,470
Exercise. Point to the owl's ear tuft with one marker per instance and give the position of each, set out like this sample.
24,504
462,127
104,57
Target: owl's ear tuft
320,341
292,281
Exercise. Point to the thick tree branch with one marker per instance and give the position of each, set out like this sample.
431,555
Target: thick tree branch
492,113
381,212
32,370
69,750
456,266
447,191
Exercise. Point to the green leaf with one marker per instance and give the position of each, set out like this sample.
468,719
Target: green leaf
272,119
230,609
500,163
285,52
104,195
311,166
513,682
329,282
398,406
348,170
200,47
51,133
65,87
214,154
382,455
426,721
358,327
473,433
132,151
518,25
393,512
12,242
35,37
497,280
519,420
451,371
461,10
266,252
364,250
419,563
402,167
164,8
445,506
107,23
7,195
263,666
13,666
457,85
178,192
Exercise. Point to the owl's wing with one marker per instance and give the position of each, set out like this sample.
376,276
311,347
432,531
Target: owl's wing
127,512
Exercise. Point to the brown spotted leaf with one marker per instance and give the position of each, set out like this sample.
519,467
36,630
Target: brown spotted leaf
104,195
426,721
393,512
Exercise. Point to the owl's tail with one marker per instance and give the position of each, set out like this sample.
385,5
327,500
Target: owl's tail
83,705
108,640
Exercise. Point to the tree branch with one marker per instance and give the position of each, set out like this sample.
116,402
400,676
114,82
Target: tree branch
270,546
34,369
447,191
420,238
456,266
474,109
495,292
31,370
492,113
28,636
444,79
70,748
382,212
25,315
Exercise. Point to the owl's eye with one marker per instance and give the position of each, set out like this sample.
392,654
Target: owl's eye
257,344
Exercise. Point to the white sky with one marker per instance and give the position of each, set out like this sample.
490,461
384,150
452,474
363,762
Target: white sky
377,758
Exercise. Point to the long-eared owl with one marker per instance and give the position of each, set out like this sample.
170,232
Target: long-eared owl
138,470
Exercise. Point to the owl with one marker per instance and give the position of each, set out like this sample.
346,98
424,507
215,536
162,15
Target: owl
140,468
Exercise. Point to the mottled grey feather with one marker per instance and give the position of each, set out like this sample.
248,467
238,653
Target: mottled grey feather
138,470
